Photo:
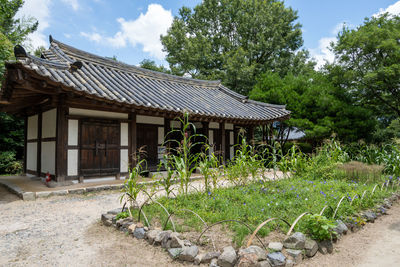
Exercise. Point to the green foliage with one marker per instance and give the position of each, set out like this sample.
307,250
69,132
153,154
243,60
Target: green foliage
319,107
16,29
9,164
183,160
234,41
122,215
319,228
369,57
167,181
151,65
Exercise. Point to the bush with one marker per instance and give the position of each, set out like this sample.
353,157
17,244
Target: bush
319,228
8,163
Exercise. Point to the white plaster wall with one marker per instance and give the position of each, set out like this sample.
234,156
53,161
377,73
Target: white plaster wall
97,113
149,120
214,125
124,134
32,127
160,135
124,160
72,162
175,124
210,137
231,138
49,123
31,156
73,128
198,125
48,157
228,126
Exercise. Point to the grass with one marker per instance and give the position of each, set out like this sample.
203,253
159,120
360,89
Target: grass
258,201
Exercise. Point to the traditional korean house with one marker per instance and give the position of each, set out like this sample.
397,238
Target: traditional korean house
85,114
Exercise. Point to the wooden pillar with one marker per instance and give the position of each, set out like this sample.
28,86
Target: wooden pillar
25,141
62,142
223,141
132,135
167,129
39,146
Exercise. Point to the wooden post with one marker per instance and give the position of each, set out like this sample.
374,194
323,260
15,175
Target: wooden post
25,141
223,141
39,146
132,142
62,142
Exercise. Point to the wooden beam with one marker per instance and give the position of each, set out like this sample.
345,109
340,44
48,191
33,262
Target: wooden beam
39,146
132,133
223,141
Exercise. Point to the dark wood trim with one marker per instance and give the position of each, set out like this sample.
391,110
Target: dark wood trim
39,146
25,141
62,142
73,147
31,172
77,117
223,141
79,147
132,135
32,140
49,139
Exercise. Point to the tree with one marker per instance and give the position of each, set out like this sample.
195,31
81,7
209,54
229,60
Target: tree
318,106
151,65
16,29
370,58
12,31
234,41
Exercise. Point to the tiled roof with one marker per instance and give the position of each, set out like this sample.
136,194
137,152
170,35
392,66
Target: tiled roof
116,81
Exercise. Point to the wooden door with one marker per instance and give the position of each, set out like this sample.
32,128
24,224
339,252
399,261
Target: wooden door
147,139
100,154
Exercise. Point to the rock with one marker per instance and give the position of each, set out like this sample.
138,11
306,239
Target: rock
382,210
77,191
311,247
325,247
161,236
28,196
151,236
115,211
174,252
276,259
261,253
289,263
228,257
214,263
248,260
275,246
60,193
263,264
43,194
107,219
369,216
131,228
139,232
295,241
175,241
296,255
189,253
341,228
206,257
387,204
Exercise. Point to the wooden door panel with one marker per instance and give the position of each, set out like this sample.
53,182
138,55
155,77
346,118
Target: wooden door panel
147,137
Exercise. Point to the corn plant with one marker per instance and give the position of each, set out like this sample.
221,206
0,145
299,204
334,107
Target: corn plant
167,181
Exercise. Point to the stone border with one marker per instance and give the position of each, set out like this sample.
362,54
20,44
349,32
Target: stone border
290,252
30,196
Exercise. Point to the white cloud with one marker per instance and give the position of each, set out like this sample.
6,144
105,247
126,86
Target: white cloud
322,53
95,37
392,9
40,10
73,3
144,31
67,35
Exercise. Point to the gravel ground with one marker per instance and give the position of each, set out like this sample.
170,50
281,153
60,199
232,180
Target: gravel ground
66,231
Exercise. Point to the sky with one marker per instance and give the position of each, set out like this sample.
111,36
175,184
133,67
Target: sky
130,29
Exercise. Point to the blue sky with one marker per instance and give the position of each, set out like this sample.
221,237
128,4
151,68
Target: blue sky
129,29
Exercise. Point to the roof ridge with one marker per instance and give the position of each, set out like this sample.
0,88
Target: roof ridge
67,49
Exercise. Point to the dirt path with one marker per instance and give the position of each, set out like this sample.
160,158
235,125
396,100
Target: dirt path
65,231
377,244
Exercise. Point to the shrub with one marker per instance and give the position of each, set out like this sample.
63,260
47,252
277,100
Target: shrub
318,227
8,163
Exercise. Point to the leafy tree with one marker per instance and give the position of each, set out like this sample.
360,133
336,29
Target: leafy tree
39,50
12,31
318,106
151,65
16,29
235,41
370,58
